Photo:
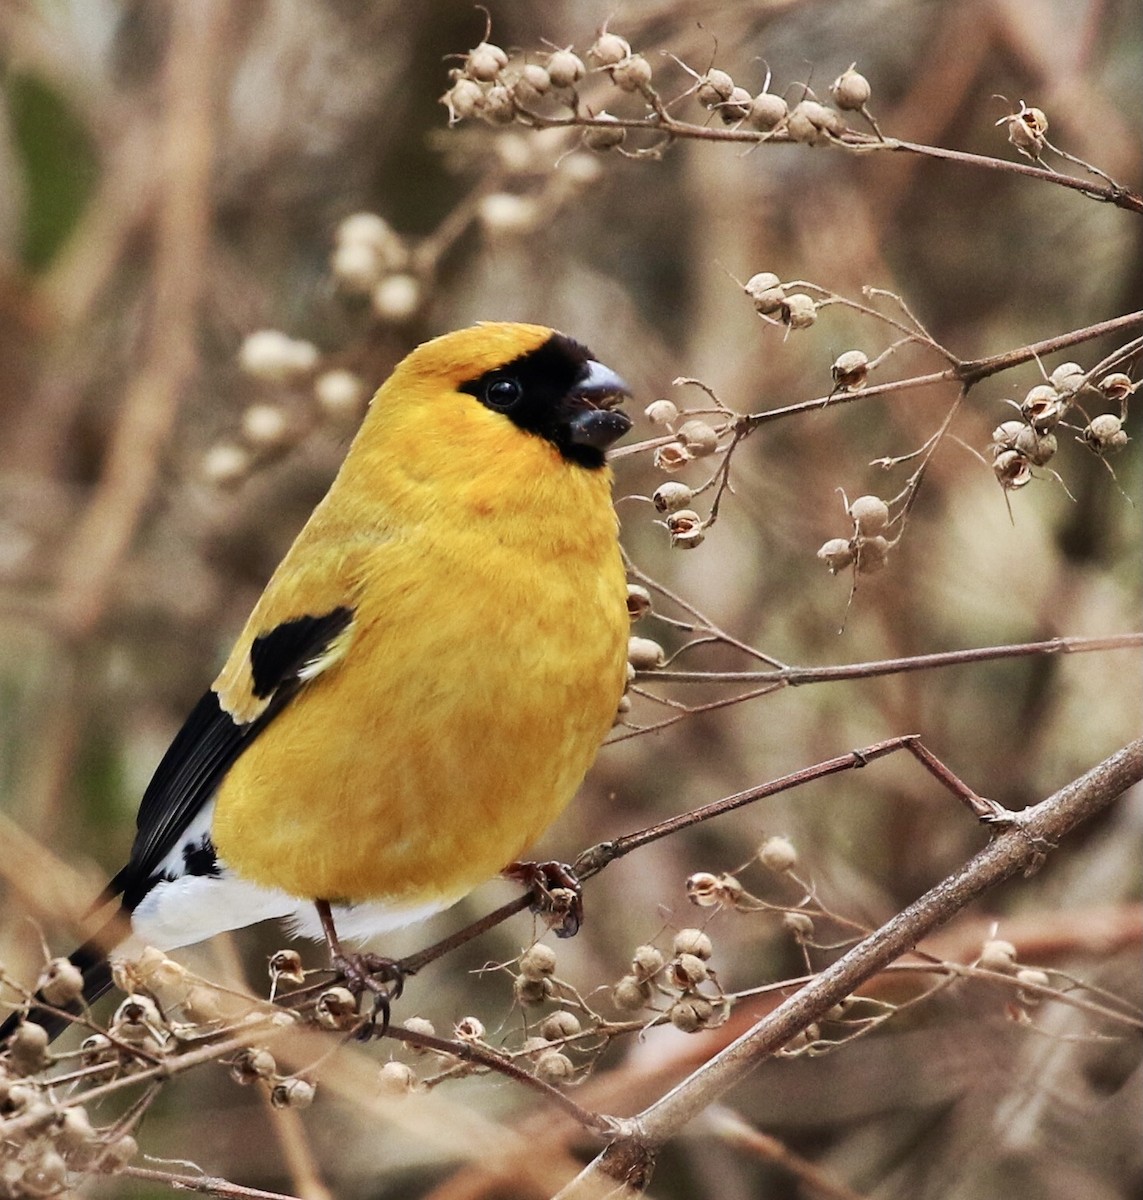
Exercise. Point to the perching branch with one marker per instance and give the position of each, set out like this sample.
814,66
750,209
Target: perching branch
1021,848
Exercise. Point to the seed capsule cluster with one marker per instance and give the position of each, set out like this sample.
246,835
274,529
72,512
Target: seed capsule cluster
1018,446
499,88
867,548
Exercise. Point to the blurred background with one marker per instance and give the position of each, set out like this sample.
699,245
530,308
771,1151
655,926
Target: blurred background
173,178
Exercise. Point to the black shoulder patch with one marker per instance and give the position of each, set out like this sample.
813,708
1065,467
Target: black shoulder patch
280,655
207,747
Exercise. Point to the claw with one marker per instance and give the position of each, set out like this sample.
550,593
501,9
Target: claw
381,977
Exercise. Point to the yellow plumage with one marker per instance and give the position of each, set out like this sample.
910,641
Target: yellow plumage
464,705
426,678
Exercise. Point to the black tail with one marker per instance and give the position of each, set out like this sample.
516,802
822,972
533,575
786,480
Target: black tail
91,959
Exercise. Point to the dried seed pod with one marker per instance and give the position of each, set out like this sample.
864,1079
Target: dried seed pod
266,426
686,529
704,889
850,369
646,962
226,465
292,1092
1037,448
97,1050
357,265
693,941
766,292
1005,434
638,601
870,515
1012,469
532,83
251,1064
337,1008
273,356
396,1078
340,394
555,1068
396,298
137,1020
632,74
1105,433
699,437
691,1013
661,412
469,1029
778,854
1026,129
1067,378
565,68
531,993
74,1129
837,554
1117,386
464,100
851,90
631,993
558,1025
538,962
580,170
672,457
506,213
683,521
61,982
44,1175
767,112
799,924
872,554
28,1048
798,311
645,654
485,62
1043,408
609,49
498,106
714,88
813,124
604,136
420,1025
671,496
997,955
736,107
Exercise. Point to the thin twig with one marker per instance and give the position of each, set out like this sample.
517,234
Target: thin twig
1020,848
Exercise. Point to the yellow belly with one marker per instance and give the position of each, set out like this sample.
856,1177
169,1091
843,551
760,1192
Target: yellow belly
460,723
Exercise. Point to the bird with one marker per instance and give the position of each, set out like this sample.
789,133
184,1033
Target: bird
425,680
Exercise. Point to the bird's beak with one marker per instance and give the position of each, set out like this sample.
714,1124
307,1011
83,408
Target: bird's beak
595,422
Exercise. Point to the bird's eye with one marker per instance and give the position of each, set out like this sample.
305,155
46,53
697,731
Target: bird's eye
502,393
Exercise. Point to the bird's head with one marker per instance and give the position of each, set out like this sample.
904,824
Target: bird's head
546,384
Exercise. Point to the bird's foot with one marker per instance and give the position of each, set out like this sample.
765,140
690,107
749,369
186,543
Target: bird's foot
556,893
382,978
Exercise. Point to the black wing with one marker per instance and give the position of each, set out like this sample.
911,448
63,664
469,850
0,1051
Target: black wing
211,741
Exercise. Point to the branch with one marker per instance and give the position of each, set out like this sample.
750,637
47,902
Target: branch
1020,848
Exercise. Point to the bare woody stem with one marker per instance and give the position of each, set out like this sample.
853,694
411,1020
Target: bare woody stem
1020,848
595,858
968,372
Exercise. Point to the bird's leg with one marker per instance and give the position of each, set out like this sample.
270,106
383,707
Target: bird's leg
556,892
382,977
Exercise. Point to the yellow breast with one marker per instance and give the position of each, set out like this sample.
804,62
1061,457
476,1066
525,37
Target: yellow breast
487,659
